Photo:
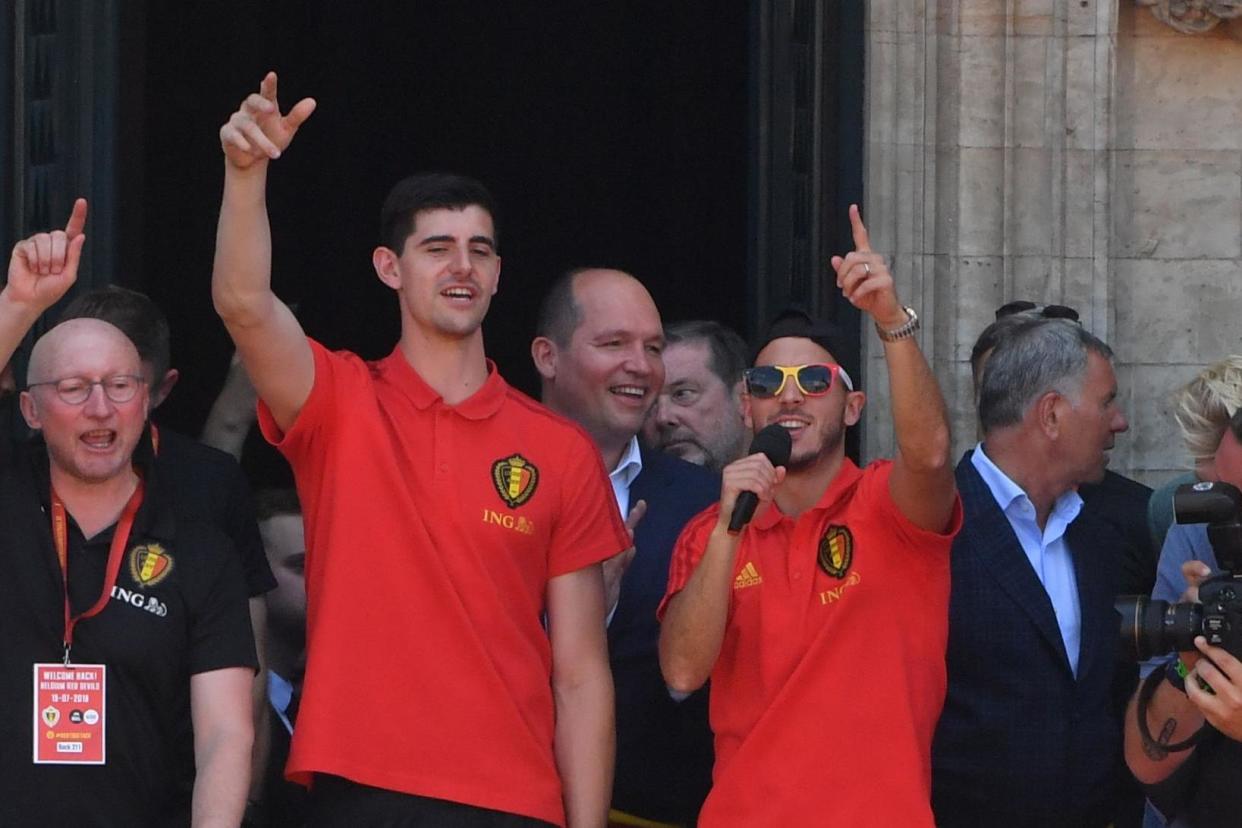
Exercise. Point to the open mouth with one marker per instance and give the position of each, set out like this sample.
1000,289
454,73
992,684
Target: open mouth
100,439
632,394
459,293
794,425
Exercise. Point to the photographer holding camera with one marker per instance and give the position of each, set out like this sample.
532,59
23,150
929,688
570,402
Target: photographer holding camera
1194,699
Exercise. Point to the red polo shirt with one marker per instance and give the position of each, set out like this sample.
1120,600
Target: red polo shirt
831,675
432,531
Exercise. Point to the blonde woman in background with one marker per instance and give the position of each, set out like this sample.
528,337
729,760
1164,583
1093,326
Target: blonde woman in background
1202,409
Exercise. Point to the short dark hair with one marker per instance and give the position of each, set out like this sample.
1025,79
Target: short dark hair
135,314
559,312
728,351
796,322
993,335
1039,356
270,503
430,191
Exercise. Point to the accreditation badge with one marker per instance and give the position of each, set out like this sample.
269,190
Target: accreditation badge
69,705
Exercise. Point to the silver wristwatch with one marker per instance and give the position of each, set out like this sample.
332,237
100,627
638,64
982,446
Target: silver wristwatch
902,331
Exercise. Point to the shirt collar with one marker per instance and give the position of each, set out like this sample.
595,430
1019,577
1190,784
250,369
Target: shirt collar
1006,492
846,477
478,406
629,466
279,690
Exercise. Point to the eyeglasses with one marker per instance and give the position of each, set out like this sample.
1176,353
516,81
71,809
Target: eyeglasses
815,380
1046,311
120,388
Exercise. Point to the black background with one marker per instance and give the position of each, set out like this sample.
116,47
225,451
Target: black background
610,133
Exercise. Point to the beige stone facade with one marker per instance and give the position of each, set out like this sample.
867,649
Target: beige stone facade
1079,152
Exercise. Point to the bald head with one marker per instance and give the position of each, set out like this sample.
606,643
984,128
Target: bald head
560,313
89,441
69,342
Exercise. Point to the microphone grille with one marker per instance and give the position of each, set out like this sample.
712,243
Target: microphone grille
773,441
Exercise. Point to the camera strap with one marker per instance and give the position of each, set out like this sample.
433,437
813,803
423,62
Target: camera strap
1146,691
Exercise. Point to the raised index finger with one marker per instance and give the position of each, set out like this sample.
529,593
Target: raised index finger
862,242
77,220
267,87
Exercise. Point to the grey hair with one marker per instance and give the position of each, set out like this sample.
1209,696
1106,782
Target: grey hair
1039,356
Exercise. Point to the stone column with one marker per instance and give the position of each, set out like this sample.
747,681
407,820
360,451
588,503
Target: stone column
1177,217
988,173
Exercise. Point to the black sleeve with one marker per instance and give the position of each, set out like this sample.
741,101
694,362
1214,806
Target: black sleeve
220,634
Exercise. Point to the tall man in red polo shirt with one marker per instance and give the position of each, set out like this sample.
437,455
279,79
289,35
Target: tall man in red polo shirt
823,624
445,515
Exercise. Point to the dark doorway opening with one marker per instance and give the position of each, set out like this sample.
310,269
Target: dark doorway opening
611,134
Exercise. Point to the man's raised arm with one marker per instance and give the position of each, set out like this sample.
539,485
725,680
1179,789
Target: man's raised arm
922,483
269,338
41,271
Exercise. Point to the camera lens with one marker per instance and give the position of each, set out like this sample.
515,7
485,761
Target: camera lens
1150,627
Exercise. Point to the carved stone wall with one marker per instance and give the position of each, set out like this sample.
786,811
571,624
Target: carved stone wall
1193,16
987,170
1083,153
1177,219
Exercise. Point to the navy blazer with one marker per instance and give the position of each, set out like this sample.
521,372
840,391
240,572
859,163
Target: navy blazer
664,748
1021,741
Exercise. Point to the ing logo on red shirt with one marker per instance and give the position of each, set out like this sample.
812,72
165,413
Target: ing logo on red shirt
515,478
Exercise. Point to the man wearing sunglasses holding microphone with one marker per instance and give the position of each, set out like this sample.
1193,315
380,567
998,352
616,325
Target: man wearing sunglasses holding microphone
822,623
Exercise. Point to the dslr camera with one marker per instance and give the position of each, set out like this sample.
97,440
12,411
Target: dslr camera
1151,627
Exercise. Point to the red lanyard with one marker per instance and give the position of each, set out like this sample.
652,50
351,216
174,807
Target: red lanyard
120,538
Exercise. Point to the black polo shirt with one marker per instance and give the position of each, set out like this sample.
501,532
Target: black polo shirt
193,619
208,485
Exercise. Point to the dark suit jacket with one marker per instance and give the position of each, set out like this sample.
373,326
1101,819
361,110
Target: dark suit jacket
1021,742
1122,503
664,748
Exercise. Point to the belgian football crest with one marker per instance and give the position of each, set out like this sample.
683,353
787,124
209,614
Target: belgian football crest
515,478
836,551
149,564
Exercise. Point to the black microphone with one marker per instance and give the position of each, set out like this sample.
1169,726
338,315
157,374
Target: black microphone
775,443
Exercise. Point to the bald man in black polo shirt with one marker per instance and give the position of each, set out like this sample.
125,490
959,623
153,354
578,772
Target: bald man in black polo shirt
133,620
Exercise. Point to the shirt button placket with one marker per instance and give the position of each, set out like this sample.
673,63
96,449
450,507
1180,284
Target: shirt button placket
442,442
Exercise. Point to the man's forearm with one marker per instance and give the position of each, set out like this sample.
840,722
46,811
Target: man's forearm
1171,718
16,320
241,280
694,622
920,419
261,710
585,745
222,779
